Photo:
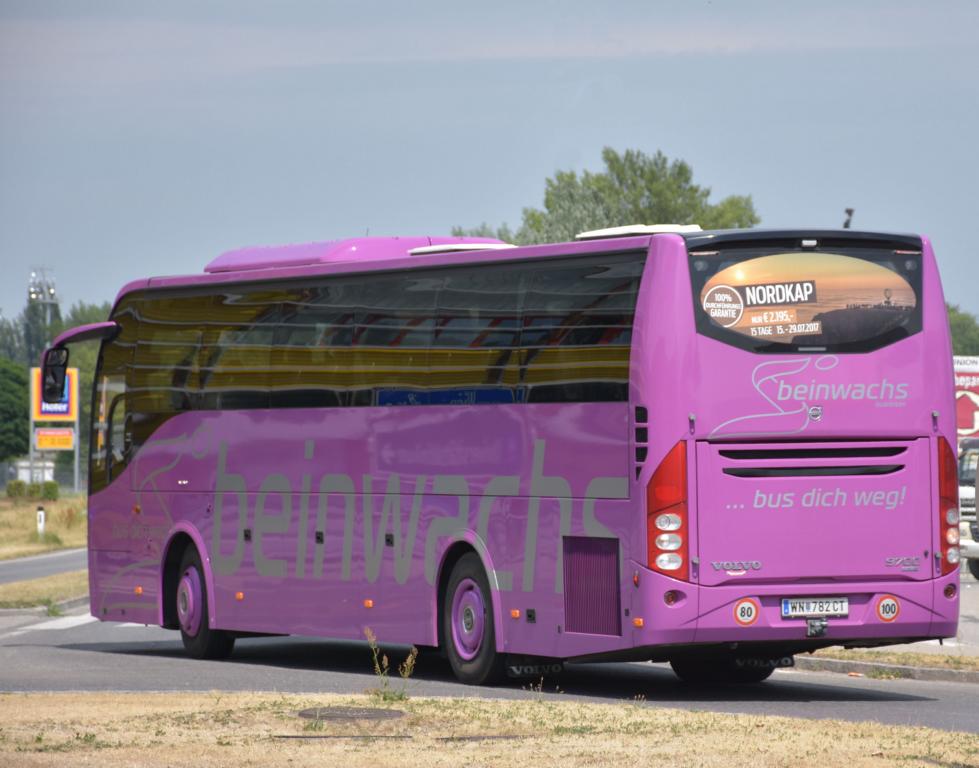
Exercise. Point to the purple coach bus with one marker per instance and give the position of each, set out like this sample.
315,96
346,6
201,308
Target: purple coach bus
717,449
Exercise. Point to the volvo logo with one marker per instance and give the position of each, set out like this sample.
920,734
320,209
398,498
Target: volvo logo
737,565
816,413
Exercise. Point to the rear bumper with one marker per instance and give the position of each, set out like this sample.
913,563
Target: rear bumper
708,614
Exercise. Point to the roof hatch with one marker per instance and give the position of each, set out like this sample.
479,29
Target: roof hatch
335,251
638,229
456,247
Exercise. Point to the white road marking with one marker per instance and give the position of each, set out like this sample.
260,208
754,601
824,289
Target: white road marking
65,622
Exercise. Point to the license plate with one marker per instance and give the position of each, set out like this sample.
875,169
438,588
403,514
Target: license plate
806,607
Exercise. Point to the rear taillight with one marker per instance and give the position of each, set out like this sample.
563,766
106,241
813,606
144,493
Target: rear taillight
948,507
667,527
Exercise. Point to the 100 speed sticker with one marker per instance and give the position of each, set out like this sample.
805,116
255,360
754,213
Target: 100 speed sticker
746,611
888,608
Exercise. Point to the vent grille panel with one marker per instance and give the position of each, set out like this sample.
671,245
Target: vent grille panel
591,585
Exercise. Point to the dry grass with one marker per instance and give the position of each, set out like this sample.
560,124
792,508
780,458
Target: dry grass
45,591
66,526
935,660
165,729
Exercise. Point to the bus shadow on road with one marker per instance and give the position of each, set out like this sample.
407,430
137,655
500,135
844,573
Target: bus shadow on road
640,682
656,683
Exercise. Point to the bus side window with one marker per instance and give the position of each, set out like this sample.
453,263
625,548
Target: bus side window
474,353
111,436
236,348
117,454
310,349
393,329
577,328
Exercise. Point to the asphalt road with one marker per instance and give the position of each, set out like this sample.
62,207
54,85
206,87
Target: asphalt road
37,566
75,652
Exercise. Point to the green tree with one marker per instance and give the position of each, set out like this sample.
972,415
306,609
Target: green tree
965,331
634,188
12,340
14,418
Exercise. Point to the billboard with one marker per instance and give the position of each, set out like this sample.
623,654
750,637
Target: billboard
66,409
967,396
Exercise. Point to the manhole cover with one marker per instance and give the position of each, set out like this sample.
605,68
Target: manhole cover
350,713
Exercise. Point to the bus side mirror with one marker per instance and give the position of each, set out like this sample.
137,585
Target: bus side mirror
54,369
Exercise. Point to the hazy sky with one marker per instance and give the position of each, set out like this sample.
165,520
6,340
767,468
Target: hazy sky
145,138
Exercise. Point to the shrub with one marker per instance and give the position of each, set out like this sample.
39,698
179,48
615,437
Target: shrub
16,489
405,669
68,517
48,537
34,490
49,490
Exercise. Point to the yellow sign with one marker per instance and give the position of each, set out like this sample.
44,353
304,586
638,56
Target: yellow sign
54,439
66,409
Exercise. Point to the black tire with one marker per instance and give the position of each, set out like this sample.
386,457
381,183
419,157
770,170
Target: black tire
973,567
205,643
486,666
714,670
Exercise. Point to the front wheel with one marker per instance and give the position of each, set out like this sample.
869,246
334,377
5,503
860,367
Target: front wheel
722,670
200,641
467,624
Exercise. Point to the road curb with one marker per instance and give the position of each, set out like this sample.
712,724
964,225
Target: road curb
43,610
75,602
878,670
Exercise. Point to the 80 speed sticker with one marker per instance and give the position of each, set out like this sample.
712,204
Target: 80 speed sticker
888,608
746,611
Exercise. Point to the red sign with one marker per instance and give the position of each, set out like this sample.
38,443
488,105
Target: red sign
54,439
967,396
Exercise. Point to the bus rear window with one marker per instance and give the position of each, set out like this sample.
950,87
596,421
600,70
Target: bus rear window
840,300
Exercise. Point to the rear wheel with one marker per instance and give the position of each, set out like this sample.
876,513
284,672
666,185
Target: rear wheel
199,639
720,670
467,624
973,567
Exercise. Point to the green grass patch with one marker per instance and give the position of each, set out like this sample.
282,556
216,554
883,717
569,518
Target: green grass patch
47,591
66,526
903,658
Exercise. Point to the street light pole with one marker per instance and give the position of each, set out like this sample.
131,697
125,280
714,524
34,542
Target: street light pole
40,290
